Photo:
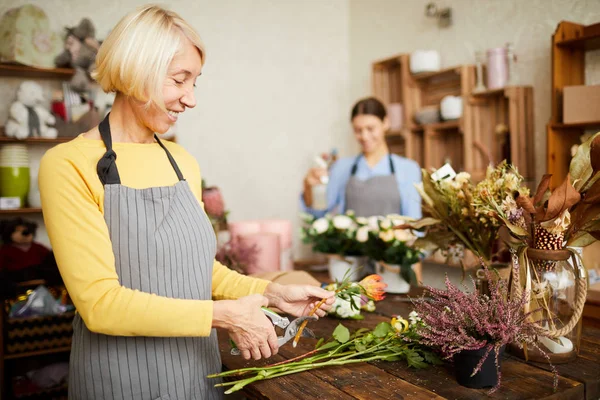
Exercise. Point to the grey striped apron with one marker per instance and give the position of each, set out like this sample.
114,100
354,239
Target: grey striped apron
376,196
164,244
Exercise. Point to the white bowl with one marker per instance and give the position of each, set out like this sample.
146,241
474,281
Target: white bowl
424,61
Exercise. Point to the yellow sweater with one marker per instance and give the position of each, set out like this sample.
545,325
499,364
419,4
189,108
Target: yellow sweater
73,205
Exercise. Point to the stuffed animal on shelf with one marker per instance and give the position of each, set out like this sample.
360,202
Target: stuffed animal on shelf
18,250
27,117
79,53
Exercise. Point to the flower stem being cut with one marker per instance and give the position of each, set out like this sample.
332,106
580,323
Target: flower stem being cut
371,287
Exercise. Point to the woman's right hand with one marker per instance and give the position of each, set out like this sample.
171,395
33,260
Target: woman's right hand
250,329
312,178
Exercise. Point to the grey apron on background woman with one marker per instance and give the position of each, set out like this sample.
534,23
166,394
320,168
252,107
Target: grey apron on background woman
164,244
378,195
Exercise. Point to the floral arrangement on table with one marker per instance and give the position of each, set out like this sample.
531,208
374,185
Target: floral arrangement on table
237,255
389,246
457,216
395,340
353,297
469,325
334,234
214,206
370,289
543,229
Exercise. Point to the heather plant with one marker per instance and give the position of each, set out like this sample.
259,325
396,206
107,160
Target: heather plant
456,321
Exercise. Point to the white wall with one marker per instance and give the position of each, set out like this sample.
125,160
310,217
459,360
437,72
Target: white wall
273,93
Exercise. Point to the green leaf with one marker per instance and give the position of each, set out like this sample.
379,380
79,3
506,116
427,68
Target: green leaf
393,357
357,317
319,343
432,358
414,359
341,334
593,194
360,346
382,329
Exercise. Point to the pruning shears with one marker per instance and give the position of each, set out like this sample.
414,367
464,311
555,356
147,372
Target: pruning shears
290,328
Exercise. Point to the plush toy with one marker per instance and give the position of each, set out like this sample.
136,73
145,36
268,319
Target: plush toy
22,259
27,117
80,52
18,250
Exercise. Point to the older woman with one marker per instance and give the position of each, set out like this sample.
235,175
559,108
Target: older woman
136,250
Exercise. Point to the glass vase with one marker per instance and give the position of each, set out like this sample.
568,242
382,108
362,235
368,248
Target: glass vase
557,285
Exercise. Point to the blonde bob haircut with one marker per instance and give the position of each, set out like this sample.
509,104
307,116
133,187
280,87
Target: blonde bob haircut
135,56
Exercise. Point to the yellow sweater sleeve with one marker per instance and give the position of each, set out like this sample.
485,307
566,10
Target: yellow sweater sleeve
74,219
226,283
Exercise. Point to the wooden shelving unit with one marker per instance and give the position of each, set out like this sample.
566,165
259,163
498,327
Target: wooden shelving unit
10,354
570,42
471,142
431,144
503,129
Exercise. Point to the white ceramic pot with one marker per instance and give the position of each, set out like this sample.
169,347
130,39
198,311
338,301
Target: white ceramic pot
339,266
390,274
424,61
451,107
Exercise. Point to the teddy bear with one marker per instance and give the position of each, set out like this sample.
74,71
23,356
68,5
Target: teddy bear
23,259
79,53
26,115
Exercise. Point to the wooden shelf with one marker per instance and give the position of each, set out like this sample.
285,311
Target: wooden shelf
446,125
6,139
489,93
577,125
21,211
443,73
23,71
38,353
587,38
394,135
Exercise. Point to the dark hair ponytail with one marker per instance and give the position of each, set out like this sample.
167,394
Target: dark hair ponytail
369,106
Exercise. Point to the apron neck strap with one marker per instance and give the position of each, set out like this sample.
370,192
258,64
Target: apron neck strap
107,165
355,165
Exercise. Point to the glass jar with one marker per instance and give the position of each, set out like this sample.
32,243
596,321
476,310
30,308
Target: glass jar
557,284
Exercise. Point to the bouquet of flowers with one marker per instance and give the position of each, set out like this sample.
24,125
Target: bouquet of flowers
395,340
456,209
334,234
566,216
455,321
353,297
389,245
544,228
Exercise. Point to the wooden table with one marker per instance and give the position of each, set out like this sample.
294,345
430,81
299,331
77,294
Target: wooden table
395,380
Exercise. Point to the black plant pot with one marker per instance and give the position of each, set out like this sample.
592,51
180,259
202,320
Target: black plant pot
466,361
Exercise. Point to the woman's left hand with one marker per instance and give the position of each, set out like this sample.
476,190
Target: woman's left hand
299,300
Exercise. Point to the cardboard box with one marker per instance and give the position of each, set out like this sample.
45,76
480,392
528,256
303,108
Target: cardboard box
581,104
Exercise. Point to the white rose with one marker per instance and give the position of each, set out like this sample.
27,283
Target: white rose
396,219
387,236
386,224
362,234
342,222
373,223
321,225
362,220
